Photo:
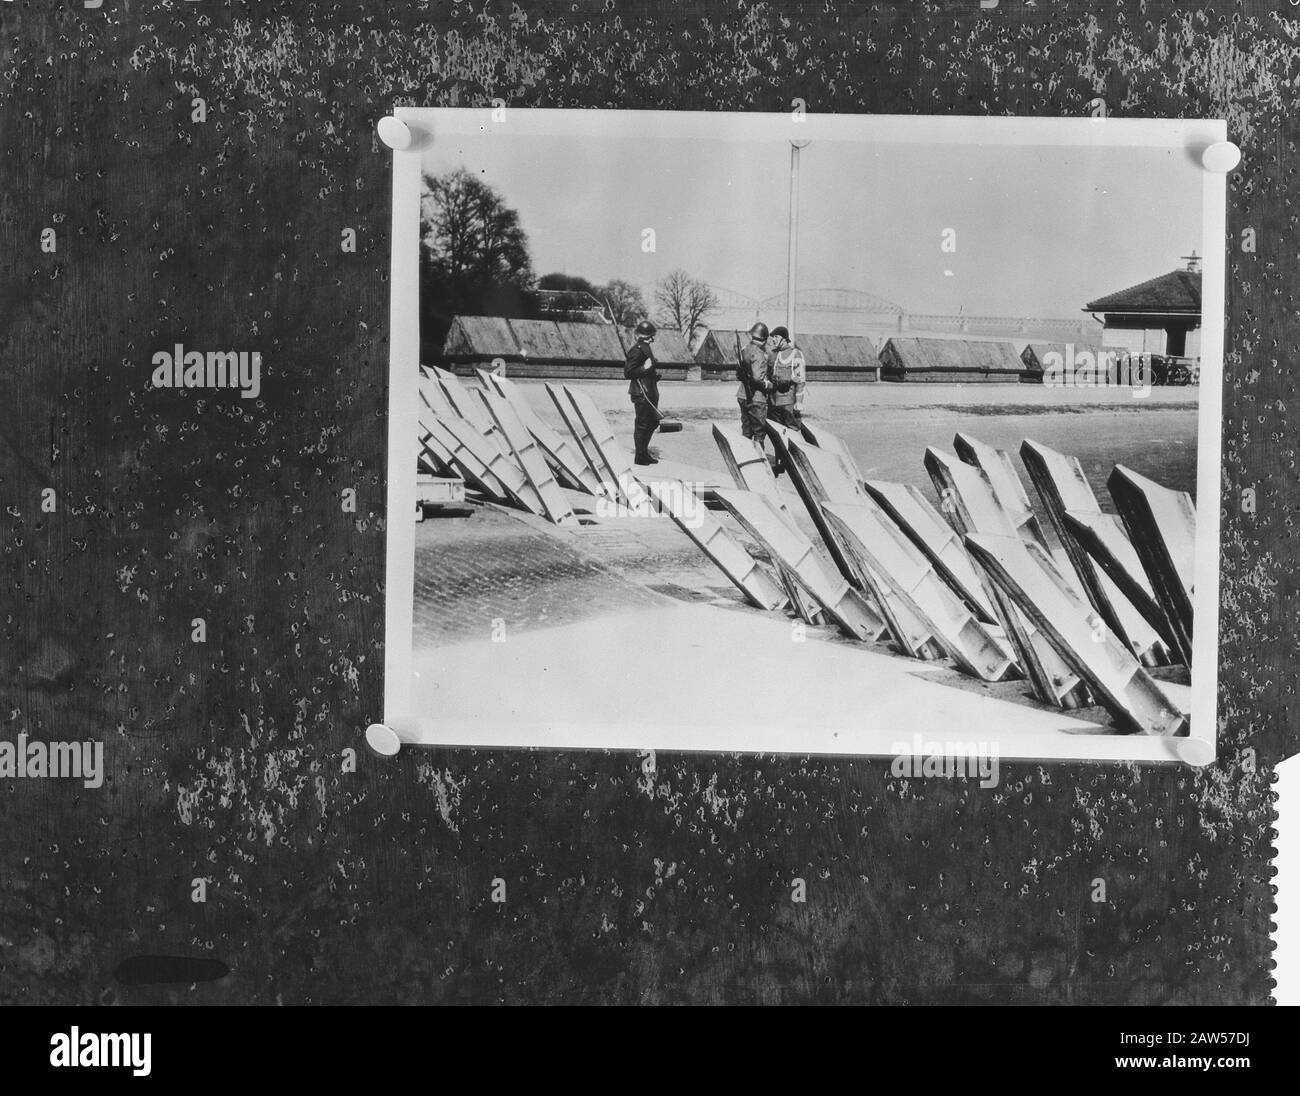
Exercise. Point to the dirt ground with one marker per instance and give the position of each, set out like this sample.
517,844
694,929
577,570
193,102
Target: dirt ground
888,426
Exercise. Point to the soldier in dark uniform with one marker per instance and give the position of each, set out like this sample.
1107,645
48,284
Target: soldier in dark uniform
755,376
640,370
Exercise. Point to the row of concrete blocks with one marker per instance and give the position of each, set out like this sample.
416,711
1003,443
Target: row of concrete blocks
982,587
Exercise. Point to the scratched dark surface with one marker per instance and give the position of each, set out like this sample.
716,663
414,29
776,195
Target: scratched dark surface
224,759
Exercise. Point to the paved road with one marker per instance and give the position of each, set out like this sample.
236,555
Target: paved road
669,678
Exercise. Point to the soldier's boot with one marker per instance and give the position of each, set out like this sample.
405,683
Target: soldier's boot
641,437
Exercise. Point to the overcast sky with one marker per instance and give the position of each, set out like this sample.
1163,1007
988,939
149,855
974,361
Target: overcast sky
1039,230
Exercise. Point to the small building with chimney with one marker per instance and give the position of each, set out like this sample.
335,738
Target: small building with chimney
1160,316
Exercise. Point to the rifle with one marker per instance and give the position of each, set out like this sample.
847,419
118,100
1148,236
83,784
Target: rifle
666,425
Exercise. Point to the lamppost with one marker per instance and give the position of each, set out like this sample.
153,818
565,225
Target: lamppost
792,258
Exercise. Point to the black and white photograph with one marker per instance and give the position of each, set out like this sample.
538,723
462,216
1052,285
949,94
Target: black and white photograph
865,436
647,505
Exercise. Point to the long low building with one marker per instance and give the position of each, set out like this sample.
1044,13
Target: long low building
1041,366
557,349
829,357
949,361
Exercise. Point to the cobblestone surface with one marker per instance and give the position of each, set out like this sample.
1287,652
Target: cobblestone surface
493,566
654,551
505,565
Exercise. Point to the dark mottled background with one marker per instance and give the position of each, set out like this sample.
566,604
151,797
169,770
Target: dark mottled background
225,758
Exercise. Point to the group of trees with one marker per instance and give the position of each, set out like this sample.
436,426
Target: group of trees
474,260
473,256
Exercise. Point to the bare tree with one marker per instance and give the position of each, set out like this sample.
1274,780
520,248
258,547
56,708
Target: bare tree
684,302
626,305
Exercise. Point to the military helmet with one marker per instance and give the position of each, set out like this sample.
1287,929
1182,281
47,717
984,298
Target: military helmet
645,327
758,332
781,332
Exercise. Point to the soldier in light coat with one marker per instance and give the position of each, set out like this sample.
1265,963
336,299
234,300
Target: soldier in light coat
789,380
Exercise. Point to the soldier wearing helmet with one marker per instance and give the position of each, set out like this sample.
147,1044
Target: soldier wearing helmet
755,375
789,378
643,375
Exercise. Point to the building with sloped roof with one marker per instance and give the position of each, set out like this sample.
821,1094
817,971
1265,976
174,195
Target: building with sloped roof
949,361
828,357
840,357
719,350
1057,359
1159,316
479,337
556,349
670,349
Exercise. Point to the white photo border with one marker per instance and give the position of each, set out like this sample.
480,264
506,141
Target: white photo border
428,124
